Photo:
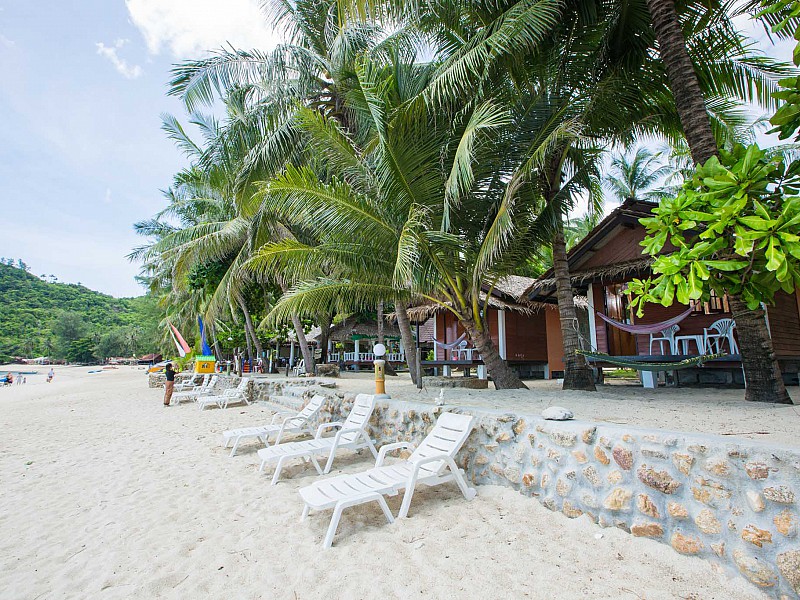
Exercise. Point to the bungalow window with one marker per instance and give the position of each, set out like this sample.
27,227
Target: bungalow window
715,305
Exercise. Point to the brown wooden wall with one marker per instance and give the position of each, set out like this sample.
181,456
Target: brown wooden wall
555,344
448,329
526,336
601,330
691,325
623,247
784,324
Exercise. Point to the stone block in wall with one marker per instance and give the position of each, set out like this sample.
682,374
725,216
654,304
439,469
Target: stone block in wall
703,495
328,370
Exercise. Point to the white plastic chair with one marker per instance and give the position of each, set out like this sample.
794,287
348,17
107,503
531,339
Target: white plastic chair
230,396
189,384
352,435
205,390
665,335
432,463
300,368
293,422
712,342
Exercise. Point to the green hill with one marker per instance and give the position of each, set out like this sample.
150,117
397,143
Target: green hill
40,318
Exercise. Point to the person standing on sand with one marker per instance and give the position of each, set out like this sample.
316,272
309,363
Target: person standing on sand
50,375
169,385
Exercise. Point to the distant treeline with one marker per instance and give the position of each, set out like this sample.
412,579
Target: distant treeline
40,317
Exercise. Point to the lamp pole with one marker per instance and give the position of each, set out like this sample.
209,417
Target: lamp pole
379,350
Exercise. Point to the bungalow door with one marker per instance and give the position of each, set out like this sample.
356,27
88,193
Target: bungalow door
620,343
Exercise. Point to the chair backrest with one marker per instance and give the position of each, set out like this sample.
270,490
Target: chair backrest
309,411
211,383
670,332
447,437
723,325
204,382
359,416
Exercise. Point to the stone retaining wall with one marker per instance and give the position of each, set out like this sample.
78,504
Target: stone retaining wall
733,502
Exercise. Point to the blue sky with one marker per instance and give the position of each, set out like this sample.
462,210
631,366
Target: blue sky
82,156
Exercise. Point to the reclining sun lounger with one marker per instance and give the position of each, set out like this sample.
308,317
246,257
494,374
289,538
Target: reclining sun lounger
431,463
352,435
230,396
192,394
293,422
189,384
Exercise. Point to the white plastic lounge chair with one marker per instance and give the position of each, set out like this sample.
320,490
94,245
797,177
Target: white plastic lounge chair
188,384
431,463
352,435
230,396
300,368
205,390
293,422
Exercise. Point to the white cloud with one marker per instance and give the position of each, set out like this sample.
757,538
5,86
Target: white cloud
8,43
120,64
191,28
107,197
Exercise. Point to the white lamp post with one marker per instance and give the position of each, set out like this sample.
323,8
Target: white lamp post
379,350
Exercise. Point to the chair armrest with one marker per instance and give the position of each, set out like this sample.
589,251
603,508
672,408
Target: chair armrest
325,426
389,448
437,457
357,430
282,413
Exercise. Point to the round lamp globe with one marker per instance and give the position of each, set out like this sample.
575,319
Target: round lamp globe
379,350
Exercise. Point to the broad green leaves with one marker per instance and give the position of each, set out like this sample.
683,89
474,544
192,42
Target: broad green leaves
734,228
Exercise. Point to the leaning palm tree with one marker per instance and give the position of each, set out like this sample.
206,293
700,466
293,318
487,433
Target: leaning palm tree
759,362
430,200
504,40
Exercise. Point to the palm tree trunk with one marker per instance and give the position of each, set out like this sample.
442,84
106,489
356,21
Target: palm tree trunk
759,361
682,80
248,343
404,324
248,323
308,355
380,322
503,376
763,380
577,375
324,331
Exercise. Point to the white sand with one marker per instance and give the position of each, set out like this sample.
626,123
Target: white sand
105,494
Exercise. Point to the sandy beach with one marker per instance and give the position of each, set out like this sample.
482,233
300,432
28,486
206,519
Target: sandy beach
107,494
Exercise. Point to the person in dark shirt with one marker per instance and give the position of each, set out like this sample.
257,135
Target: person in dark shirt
170,383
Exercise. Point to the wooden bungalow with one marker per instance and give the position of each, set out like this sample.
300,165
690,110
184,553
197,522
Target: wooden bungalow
516,325
351,343
604,262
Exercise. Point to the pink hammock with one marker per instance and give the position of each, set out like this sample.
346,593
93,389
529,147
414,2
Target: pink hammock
451,345
648,328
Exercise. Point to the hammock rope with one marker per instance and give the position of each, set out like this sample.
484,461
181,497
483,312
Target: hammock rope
627,363
644,329
451,345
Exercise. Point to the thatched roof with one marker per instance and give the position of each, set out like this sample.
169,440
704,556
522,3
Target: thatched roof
514,286
422,312
348,328
603,273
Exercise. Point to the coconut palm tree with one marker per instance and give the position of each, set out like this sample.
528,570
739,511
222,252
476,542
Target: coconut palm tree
759,362
435,213
637,176
482,47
